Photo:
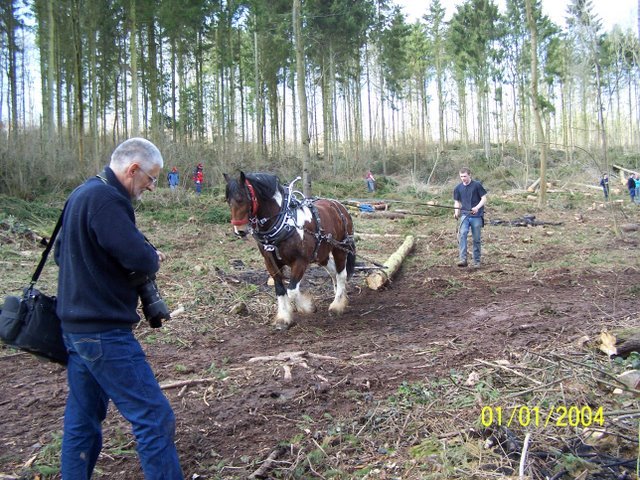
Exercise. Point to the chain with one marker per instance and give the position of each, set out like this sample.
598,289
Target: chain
334,243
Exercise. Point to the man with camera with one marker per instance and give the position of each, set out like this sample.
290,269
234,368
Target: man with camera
106,263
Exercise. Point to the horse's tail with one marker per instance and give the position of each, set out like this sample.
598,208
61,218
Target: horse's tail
351,257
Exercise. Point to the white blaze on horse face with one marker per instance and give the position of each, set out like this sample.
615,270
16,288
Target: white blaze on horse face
240,230
303,215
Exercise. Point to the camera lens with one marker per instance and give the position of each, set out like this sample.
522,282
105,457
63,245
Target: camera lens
153,306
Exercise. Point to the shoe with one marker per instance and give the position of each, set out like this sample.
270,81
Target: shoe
475,265
462,263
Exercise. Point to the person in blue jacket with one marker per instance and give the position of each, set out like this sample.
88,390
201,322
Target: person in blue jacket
98,248
173,178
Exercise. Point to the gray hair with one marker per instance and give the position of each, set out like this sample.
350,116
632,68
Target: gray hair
135,150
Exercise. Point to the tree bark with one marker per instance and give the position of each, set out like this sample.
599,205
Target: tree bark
302,99
133,52
533,29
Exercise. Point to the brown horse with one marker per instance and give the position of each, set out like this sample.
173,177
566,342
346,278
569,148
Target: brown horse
295,231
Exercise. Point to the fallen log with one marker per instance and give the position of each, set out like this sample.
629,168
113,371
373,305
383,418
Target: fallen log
382,214
377,280
532,188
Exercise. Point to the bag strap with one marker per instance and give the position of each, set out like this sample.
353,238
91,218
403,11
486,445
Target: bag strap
47,250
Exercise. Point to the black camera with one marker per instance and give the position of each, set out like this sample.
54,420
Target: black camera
153,306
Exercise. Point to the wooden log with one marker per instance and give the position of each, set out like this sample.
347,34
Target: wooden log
628,346
534,185
380,278
382,214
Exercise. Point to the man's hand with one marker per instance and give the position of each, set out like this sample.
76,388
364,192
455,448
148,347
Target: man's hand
474,210
456,214
161,256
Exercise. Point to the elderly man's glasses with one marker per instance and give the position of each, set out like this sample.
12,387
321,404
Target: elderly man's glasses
153,179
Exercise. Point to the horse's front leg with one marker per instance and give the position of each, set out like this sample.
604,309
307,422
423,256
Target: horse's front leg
302,301
284,317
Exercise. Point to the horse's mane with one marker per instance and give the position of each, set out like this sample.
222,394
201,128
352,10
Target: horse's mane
265,184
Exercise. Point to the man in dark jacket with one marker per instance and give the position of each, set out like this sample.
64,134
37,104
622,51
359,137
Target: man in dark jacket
604,183
631,185
99,246
469,198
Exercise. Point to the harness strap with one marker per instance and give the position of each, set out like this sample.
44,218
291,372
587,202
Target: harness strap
317,234
253,197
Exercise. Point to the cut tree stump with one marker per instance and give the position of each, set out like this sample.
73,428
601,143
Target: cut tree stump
379,279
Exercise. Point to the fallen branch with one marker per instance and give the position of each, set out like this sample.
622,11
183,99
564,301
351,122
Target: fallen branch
182,383
378,279
294,356
281,357
267,464
523,456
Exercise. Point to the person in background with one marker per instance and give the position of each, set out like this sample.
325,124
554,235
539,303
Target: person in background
371,181
98,248
604,183
173,177
469,198
631,185
636,181
198,178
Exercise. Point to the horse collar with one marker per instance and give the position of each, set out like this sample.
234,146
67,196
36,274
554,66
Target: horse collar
252,197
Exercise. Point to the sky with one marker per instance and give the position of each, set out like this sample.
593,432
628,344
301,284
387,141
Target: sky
611,12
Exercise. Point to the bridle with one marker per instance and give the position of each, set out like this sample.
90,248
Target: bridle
253,199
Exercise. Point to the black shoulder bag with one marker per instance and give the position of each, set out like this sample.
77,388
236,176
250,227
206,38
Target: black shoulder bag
30,322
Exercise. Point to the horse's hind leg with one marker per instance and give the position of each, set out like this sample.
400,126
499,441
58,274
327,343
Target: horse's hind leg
341,300
302,301
330,267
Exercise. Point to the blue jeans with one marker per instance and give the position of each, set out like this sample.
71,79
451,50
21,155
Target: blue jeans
112,365
371,185
475,224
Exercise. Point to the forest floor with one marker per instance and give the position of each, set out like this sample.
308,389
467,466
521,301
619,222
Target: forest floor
446,373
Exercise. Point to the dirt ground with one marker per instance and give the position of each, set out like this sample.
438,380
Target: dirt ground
540,289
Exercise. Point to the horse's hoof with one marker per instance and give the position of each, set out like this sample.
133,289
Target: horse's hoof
338,307
308,310
282,326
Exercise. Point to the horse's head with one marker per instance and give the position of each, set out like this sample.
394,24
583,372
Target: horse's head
254,198
242,201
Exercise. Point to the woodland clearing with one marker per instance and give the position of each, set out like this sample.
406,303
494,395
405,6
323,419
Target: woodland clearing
399,386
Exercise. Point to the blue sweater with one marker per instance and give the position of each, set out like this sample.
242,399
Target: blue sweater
98,246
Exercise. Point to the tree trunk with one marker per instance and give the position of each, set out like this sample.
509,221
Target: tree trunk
79,85
259,140
302,99
51,55
533,29
133,52
154,96
10,22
